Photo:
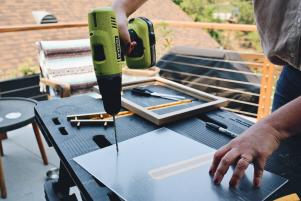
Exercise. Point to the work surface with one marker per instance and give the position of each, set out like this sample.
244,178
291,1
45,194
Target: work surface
175,170
70,142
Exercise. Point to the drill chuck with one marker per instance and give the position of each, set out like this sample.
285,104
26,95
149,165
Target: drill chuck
110,89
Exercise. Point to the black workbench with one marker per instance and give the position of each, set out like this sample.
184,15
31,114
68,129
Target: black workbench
70,142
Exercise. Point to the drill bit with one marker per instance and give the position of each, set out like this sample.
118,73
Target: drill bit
116,141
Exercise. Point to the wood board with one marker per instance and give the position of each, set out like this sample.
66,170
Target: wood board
201,101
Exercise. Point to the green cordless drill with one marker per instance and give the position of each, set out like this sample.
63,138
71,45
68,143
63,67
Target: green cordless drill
108,54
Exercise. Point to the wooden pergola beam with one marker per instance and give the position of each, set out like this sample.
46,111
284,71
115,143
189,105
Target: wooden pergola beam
34,27
208,25
181,24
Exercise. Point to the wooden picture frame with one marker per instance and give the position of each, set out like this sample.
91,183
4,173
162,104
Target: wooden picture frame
212,102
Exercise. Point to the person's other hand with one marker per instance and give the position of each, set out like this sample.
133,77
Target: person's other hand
255,145
122,23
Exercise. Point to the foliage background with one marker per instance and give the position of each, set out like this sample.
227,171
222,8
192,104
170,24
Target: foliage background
241,13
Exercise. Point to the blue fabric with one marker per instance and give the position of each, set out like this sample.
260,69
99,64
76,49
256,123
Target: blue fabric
288,87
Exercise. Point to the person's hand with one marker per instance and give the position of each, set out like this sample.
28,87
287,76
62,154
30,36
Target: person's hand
122,23
255,145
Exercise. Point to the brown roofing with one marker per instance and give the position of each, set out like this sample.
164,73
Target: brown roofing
18,49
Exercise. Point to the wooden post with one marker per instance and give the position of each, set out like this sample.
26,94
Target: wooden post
2,181
1,148
3,136
266,89
40,143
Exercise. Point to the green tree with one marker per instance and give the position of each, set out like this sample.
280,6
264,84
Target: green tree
200,10
178,2
245,14
242,13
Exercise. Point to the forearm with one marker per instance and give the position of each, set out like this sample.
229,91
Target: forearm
128,6
286,120
123,9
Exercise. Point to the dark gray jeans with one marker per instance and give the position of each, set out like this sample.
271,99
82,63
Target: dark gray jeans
288,87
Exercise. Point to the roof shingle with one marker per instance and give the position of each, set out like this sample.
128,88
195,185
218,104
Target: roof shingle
17,48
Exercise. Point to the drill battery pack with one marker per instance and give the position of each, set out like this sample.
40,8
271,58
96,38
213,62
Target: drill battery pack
141,31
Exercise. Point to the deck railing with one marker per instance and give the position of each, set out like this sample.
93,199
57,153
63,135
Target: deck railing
256,61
